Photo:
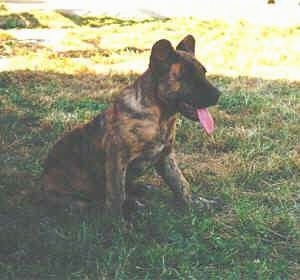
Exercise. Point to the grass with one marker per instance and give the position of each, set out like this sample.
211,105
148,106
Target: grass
251,161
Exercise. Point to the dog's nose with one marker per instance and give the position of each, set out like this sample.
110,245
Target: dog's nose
213,94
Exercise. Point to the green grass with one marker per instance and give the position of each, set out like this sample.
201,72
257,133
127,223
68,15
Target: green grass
251,161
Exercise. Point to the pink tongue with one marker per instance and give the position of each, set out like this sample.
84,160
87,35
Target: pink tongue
206,120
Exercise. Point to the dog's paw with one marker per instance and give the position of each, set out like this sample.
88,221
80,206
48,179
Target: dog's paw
204,204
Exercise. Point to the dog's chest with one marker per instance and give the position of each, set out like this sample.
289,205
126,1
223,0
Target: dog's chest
162,142
157,148
148,157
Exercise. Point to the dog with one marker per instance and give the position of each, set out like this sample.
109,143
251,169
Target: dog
100,159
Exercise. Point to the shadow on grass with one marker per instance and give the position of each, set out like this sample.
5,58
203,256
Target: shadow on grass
37,243
37,106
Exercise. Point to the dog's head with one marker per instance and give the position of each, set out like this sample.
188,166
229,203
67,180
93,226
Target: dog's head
182,85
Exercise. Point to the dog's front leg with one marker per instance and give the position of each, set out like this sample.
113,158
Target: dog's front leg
170,172
115,174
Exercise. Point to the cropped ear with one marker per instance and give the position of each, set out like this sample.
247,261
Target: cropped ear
187,44
162,55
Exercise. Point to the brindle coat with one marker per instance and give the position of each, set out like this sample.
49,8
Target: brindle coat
101,158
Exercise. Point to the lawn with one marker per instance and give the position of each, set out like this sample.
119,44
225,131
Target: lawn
251,162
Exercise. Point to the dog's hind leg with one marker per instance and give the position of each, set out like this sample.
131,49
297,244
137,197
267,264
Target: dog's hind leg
66,187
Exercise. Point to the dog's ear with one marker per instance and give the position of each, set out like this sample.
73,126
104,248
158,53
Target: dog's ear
162,56
187,44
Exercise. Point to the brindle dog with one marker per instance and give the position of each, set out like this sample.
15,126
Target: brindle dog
100,159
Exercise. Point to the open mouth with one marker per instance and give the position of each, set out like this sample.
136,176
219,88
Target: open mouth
198,114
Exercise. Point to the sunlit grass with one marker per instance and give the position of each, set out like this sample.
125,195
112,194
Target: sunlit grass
230,49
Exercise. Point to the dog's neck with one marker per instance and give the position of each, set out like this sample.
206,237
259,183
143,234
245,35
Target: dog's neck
146,88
